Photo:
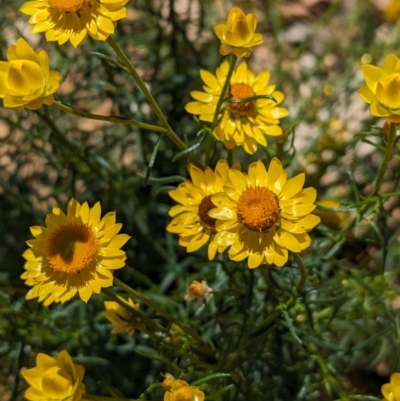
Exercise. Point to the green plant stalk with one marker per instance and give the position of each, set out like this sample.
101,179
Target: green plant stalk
147,321
303,274
232,63
388,155
111,119
152,102
162,312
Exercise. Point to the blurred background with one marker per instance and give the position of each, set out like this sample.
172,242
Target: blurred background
314,50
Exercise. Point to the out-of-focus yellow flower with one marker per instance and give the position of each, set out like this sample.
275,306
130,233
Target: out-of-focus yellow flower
179,390
242,124
391,391
237,34
76,252
121,317
190,218
330,219
74,20
392,11
54,379
200,291
25,79
262,215
382,89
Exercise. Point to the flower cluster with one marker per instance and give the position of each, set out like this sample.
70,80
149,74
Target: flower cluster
259,216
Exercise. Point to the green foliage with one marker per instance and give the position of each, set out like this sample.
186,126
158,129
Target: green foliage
262,335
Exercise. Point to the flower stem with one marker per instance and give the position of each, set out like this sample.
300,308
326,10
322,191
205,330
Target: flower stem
111,119
153,104
388,155
155,307
232,63
303,274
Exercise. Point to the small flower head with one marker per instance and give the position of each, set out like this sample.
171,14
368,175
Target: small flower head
245,123
262,215
237,34
190,219
391,391
382,89
76,252
25,79
179,390
331,219
74,20
121,317
200,291
54,379
392,11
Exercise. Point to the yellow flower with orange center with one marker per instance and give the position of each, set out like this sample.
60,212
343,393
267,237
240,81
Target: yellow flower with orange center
191,220
242,124
262,215
179,390
237,34
391,391
25,79
74,253
54,379
382,89
74,20
121,317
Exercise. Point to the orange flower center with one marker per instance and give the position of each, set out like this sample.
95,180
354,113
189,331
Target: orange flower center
69,6
258,209
205,206
238,92
71,247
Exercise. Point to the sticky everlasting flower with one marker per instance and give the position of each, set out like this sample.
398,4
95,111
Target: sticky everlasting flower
237,34
330,218
74,253
262,215
382,88
241,123
25,79
200,291
391,391
74,20
392,11
179,390
190,218
54,379
121,317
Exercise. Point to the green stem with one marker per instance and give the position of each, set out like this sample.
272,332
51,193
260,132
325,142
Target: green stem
388,155
139,315
162,312
111,119
153,104
232,62
102,398
303,274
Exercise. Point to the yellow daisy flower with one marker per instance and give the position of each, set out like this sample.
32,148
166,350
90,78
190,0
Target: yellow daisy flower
190,218
74,20
391,391
54,379
121,317
392,11
25,79
262,215
237,34
240,124
76,252
382,88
